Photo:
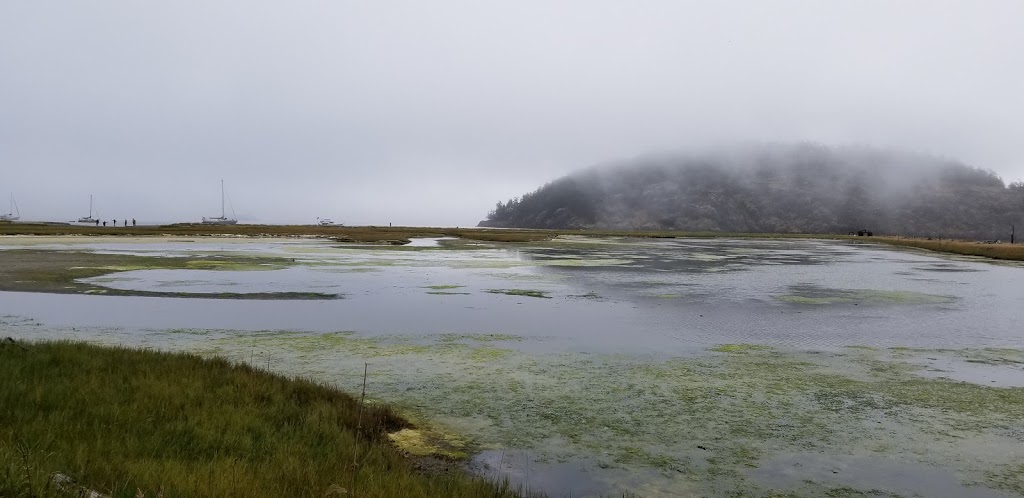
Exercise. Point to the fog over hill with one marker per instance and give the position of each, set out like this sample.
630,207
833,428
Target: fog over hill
803,188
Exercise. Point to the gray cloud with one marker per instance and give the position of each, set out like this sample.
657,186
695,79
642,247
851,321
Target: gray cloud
428,112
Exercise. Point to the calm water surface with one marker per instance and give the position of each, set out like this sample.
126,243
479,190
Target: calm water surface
622,295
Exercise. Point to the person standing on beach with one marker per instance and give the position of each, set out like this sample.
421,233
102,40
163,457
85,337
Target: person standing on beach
114,222
104,223
133,221
97,222
126,222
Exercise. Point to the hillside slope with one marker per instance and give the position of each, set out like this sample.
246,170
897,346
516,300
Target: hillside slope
784,189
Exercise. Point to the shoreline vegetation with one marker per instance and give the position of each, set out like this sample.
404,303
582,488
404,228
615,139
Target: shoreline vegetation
122,422
63,272
403,235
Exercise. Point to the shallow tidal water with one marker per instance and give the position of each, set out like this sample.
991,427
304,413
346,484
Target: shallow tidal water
665,367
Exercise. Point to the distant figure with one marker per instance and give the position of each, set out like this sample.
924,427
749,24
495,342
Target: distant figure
114,222
126,222
97,222
104,223
133,221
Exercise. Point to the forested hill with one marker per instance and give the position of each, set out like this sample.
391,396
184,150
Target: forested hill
782,189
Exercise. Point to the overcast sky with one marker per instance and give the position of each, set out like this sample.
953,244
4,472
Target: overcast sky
428,112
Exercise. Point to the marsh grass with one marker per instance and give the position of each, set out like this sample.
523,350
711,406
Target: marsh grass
815,295
63,272
128,422
1013,252
402,235
364,234
520,292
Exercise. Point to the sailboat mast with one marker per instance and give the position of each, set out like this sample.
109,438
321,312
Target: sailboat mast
222,198
90,205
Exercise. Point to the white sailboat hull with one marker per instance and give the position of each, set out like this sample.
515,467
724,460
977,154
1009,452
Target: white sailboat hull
219,221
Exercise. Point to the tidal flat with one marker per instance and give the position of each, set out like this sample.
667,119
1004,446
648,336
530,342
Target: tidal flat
672,367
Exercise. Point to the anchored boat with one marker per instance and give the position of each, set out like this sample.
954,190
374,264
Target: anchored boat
88,219
14,214
222,219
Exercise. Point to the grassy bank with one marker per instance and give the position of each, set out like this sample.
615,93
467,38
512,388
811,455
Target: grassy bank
402,235
365,234
130,422
1013,252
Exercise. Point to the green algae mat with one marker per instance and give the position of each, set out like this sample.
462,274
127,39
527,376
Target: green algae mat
736,419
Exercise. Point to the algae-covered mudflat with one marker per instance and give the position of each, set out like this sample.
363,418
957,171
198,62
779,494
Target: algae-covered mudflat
591,366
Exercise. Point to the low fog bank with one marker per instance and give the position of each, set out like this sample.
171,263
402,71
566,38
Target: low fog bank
803,188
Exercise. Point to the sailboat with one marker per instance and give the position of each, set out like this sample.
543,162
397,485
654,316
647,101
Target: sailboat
222,219
88,219
14,213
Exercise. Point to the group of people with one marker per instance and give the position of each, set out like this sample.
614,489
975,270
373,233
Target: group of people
115,222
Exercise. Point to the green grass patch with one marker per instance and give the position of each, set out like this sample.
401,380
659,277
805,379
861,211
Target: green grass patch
1009,478
480,337
127,422
740,348
813,295
521,292
858,347
445,290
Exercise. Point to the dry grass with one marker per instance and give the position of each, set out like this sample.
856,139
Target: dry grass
360,234
1013,252
401,235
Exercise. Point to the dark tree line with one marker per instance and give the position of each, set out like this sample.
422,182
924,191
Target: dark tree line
783,189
